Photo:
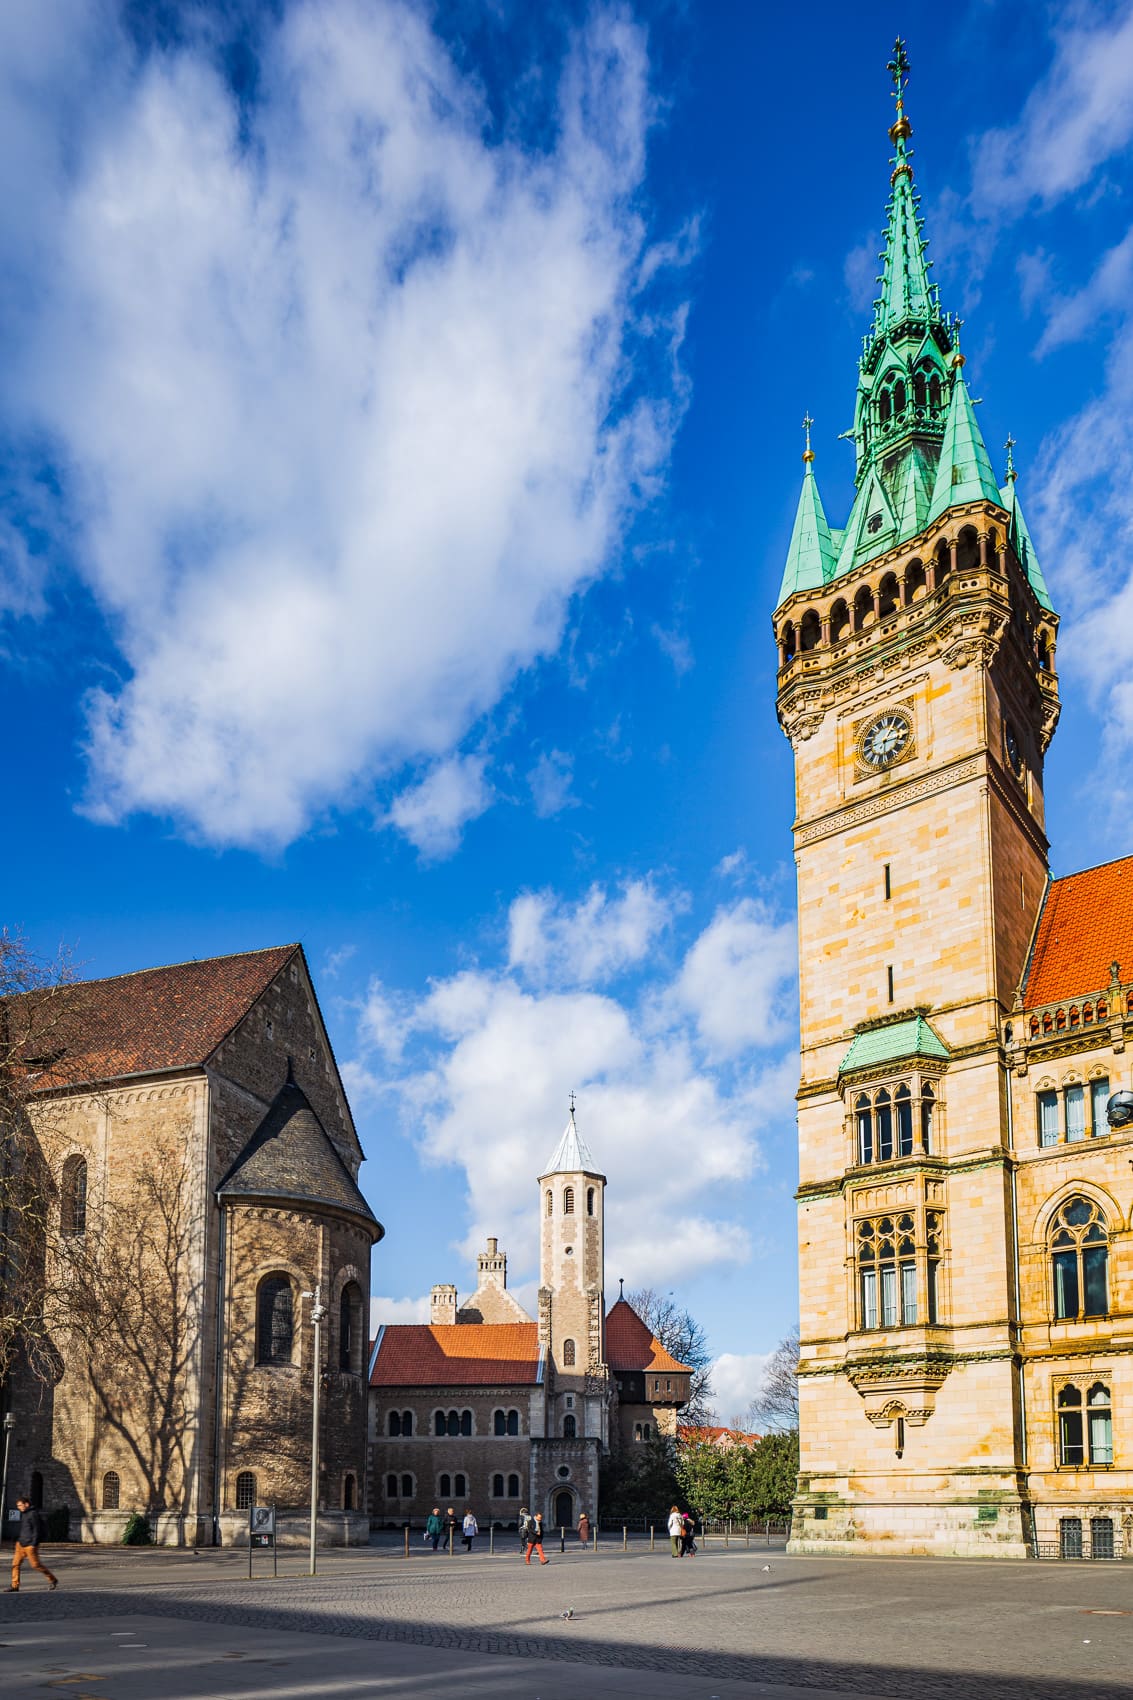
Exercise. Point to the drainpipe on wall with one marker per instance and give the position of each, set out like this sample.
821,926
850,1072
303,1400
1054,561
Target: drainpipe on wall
218,1377
1016,1302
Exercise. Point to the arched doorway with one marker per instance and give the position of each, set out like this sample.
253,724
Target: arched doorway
564,1509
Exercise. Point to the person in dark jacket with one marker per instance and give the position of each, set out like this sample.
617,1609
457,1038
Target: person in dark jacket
434,1528
33,1528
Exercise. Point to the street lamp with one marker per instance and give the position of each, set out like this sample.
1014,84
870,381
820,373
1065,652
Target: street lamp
318,1313
9,1425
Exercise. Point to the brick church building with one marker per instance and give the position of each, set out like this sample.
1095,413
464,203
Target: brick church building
489,1407
965,1122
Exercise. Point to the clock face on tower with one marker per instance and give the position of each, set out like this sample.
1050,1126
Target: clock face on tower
885,739
1014,752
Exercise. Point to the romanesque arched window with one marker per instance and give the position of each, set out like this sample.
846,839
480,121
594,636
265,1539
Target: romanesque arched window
245,1490
394,1425
444,1486
350,1329
391,1486
453,1424
513,1422
438,1422
568,1352
570,1427
497,1487
513,1486
1079,1250
810,630
459,1485
568,1201
275,1328
550,1202
406,1423
466,1422
407,1487
590,1196
499,1422
73,1196
111,1490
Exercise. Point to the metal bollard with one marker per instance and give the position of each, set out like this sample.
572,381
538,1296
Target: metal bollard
747,1534
625,1538
595,1537
491,1538
407,1540
451,1533
651,1546
562,1538
727,1527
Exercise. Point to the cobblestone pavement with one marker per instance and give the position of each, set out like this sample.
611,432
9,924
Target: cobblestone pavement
891,1629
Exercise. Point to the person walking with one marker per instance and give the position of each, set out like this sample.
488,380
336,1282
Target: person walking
676,1532
584,1528
470,1529
33,1528
531,1528
688,1541
434,1528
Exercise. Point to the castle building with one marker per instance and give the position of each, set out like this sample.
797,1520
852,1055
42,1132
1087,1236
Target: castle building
487,1406
201,1165
965,1190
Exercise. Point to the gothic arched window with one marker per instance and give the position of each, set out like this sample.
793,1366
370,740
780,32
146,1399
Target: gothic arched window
275,1327
73,1196
1079,1250
568,1352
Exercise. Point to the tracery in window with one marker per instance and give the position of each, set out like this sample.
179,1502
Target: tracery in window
1079,1249
568,1352
1085,1425
898,1278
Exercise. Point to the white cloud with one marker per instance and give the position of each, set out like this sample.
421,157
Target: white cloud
385,1312
738,979
433,814
1078,116
737,1378
589,942
859,272
550,782
489,1055
333,386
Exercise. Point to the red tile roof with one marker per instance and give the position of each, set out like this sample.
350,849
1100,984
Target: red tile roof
457,1354
631,1346
158,1018
1086,923
707,1435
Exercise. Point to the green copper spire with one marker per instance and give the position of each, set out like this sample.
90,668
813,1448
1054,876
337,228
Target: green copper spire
963,473
906,292
1019,535
810,558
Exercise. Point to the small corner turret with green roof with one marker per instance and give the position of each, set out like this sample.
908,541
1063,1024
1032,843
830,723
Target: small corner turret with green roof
919,450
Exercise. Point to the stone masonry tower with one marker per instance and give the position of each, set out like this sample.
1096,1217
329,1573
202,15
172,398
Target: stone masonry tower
916,684
572,1310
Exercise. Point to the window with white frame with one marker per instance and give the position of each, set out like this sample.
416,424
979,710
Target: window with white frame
894,1121
1071,1113
1085,1425
1079,1252
899,1269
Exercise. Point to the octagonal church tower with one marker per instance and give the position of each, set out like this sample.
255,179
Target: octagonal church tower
916,684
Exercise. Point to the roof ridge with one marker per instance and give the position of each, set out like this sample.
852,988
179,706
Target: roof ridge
1095,867
189,962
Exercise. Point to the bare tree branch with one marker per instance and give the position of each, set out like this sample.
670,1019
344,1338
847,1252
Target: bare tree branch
776,1405
683,1336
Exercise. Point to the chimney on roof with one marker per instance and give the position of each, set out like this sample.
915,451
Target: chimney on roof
442,1305
491,1265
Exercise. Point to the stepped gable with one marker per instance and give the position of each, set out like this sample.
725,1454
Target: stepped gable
1086,925
292,1157
149,1021
630,1345
465,1354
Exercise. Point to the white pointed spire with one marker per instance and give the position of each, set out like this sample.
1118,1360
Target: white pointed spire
572,1155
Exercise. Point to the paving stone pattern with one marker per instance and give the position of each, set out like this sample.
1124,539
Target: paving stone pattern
892,1628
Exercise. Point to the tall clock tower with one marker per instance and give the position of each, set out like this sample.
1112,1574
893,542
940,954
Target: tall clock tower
916,684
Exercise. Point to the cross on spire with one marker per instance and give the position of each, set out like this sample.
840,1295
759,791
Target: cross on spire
898,69
572,1103
808,452
1009,445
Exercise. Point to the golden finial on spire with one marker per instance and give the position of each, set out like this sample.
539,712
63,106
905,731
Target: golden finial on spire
808,452
901,129
957,357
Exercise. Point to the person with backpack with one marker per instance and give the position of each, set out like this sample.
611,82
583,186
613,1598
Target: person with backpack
531,1528
434,1528
32,1530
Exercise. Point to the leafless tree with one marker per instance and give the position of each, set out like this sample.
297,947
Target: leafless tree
776,1405
683,1336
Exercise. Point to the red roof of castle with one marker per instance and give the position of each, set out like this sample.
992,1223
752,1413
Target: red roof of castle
158,1018
631,1346
457,1354
1085,925
706,1434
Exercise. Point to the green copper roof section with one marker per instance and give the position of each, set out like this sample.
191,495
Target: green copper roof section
916,493
810,558
897,1042
906,292
1022,545
964,472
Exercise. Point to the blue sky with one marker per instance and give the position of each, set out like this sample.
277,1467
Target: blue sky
400,441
